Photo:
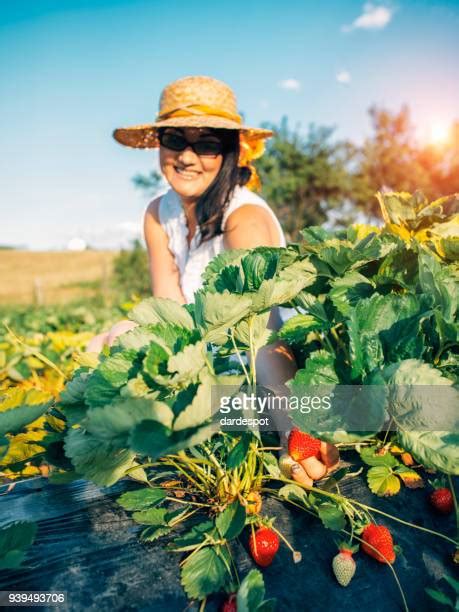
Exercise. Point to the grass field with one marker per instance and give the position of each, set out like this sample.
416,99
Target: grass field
28,277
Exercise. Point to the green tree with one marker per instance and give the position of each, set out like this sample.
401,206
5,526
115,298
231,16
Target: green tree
130,271
304,178
151,183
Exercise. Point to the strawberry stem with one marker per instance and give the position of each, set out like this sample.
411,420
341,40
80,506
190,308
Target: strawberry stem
254,539
340,500
239,356
283,538
236,573
405,605
456,508
395,518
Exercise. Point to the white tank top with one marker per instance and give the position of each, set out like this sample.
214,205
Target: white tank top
192,261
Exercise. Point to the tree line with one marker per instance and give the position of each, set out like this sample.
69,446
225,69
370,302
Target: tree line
314,179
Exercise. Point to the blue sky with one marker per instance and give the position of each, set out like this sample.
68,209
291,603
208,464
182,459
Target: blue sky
71,71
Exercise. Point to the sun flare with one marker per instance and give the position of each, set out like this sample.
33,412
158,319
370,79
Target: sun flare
439,133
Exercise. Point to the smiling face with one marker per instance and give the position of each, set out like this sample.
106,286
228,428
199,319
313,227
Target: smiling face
187,173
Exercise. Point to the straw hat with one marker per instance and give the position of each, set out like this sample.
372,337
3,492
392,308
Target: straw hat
195,101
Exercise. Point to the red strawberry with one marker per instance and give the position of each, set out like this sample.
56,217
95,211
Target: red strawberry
302,445
442,500
230,605
264,544
378,537
344,565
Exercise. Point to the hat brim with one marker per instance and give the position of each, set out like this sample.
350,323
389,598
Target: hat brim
146,136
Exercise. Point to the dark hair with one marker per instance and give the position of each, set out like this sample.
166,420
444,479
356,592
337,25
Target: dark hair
212,204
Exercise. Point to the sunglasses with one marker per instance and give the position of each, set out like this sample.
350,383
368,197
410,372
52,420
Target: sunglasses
177,142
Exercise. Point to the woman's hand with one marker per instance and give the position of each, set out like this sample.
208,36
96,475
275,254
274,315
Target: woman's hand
96,344
313,468
308,470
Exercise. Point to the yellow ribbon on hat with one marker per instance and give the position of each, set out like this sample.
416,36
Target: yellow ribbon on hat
198,109
249,147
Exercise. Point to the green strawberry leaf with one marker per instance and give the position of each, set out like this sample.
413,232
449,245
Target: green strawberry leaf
15,539
204,573
185,366
195,536
251,592
15,419
141,498
438,450
155,360
199,410
239,452
370,456
382,481
436,281
104,383
156,517
294,493
4,446
296,329
155,440
96,460
348,290
253,328
217,312
74,391
331,516
161,310
440,597
231,521
271,465
417,391
285,286
217,264
318,370
150,534
113,423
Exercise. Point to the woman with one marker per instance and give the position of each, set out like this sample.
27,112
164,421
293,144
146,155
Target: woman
205,155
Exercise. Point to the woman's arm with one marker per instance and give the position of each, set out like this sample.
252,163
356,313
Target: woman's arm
164,273
248,227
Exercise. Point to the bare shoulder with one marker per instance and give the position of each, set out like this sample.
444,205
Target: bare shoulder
155,234
153,209
165,275
250,226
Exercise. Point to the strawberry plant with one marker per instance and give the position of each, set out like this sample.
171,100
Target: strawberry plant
375,310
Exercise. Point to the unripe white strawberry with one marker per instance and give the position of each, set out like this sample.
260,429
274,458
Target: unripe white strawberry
285,465
344,566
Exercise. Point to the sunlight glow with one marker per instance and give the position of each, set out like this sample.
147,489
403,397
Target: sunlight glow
439,133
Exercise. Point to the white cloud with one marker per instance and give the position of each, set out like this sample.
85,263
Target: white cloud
344,77
291,84
129,227
373,18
